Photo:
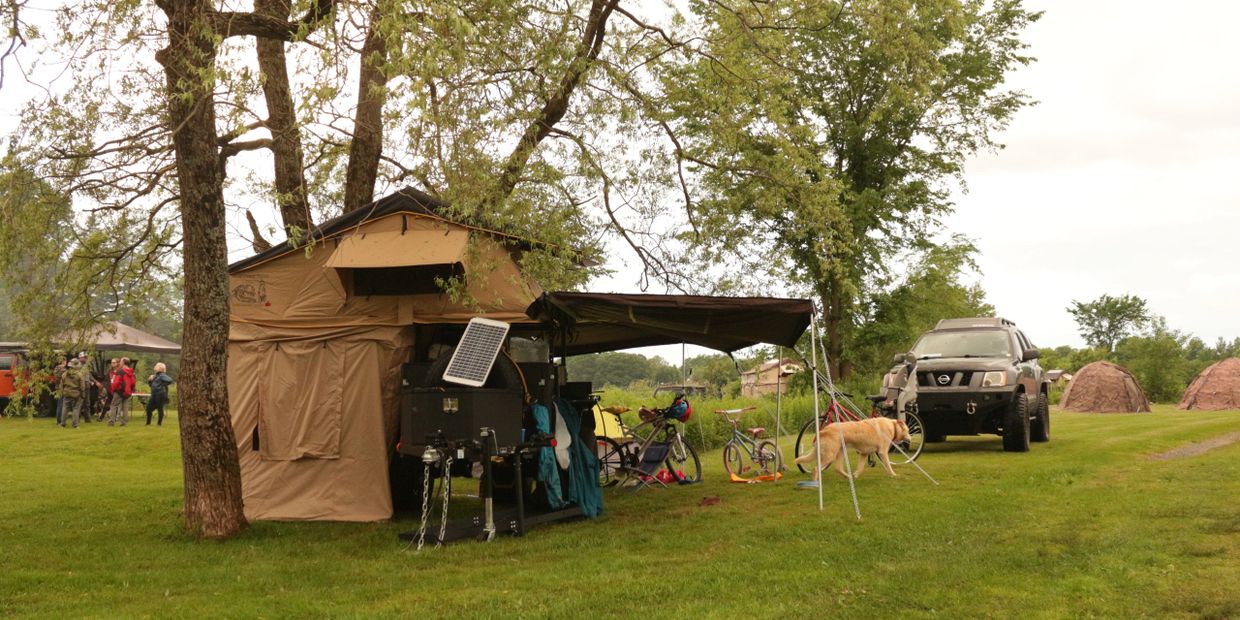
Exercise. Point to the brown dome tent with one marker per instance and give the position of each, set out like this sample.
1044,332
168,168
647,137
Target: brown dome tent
1216,388
1104,387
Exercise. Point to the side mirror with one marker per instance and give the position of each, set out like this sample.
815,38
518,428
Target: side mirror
904,358
1030,355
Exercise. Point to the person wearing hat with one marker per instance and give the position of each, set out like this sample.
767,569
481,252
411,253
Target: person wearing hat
71,390
58,376
90,386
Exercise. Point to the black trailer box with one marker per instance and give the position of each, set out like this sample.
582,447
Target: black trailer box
458,413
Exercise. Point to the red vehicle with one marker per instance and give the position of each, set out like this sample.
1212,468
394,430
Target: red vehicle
13,363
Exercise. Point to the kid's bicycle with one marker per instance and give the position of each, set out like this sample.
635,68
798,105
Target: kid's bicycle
748,457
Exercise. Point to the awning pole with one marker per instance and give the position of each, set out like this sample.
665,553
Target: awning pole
813,345
684,387
779,429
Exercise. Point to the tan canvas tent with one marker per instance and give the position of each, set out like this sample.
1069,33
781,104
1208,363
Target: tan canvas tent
1104,387
1216,388
317,337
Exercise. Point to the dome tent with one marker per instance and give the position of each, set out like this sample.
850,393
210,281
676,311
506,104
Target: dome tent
1104,387
1216,388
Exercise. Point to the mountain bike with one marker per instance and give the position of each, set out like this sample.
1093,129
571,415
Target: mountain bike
645,450
748,457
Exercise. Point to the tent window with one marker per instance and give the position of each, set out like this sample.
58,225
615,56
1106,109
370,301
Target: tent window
301,402
417,280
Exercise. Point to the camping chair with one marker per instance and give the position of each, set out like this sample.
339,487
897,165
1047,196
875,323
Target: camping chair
651,464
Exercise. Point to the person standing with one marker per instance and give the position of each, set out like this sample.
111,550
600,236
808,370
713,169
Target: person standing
59,377
118,407
72,389
91,387
159,383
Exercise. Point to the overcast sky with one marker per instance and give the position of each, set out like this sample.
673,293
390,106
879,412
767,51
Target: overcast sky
1121,180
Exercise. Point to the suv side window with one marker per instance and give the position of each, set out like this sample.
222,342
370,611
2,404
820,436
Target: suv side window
6,362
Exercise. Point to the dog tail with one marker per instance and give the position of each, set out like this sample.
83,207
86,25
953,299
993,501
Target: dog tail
829,452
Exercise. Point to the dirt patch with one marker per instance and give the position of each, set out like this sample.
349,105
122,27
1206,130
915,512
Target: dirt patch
1193,449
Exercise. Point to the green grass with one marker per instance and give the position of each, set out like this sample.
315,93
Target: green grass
1085,526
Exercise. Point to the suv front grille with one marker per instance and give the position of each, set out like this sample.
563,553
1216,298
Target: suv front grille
944,378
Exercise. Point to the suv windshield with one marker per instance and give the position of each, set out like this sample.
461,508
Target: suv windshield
970,343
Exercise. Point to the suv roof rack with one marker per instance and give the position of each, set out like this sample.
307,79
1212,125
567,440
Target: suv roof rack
986,321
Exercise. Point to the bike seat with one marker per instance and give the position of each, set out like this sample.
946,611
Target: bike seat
876,398
756,431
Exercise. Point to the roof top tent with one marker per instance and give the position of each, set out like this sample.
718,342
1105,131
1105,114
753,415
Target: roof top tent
317,338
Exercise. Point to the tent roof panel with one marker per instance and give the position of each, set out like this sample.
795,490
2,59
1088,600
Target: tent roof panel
400,249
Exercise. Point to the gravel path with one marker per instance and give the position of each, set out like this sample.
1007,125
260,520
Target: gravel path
1193,449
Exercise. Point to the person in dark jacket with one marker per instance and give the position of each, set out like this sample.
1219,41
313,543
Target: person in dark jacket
159,383
71,388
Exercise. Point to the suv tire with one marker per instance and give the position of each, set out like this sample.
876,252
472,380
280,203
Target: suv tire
1040,426
1016,425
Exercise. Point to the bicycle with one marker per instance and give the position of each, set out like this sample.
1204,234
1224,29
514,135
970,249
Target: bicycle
838,412
763,454
642,454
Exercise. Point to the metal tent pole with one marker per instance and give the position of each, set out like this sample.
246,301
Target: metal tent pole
779,429
813,343
839,417
684,387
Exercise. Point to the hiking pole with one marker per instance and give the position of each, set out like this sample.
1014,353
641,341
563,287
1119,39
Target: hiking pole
910,460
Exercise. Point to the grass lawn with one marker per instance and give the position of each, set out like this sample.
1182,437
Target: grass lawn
1085,526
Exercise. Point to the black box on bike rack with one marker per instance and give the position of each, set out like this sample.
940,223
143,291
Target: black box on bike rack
457,414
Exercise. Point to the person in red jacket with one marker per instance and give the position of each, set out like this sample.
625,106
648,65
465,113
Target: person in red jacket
121,386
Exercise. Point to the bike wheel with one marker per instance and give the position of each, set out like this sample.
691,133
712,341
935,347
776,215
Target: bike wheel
805,441
610,461
769,460
916,440
683,462
734,460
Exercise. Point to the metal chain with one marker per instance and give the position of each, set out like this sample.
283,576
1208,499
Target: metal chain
447,492
426,508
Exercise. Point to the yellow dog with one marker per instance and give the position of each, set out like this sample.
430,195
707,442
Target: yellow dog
868,436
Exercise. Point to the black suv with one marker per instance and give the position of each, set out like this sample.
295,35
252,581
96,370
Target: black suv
981,376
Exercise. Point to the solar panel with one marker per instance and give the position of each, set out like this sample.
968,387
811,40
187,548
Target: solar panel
472,360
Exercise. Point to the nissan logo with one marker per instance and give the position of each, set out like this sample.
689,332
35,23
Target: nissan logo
945,379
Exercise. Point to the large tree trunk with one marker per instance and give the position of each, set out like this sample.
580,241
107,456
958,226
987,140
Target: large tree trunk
282,122
833,319
209,454
367,144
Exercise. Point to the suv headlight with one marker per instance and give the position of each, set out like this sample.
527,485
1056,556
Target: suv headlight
994,378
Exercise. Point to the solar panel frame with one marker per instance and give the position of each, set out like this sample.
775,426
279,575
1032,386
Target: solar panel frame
475,354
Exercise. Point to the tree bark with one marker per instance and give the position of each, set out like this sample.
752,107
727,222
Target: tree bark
282,122
833,320
367,143
213,507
